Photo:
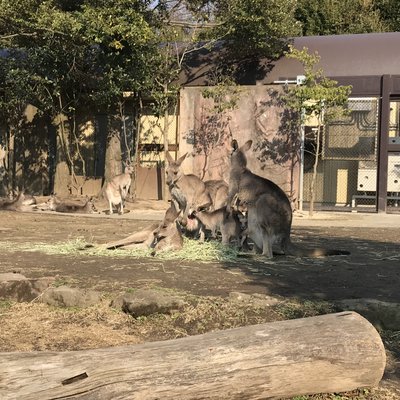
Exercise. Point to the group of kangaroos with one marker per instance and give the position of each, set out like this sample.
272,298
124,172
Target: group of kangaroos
115,191
251,212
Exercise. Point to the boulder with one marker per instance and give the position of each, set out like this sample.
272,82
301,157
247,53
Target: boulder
17,287
382,314
65,296
255,299
144,302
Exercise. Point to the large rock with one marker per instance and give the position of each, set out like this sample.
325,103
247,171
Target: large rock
255,299
144,302
17,287
382,314
65,296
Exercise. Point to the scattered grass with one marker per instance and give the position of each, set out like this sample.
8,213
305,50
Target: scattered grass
299,308
192,250
206,251
359,394
5,305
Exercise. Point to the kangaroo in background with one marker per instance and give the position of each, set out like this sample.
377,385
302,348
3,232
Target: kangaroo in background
55,204
21,203
269,213
116,191
27,200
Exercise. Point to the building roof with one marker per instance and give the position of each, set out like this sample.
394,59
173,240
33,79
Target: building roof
358,55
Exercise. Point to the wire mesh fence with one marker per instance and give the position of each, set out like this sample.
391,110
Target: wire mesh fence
346,175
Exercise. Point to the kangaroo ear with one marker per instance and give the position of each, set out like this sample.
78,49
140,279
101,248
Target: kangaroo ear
234,145
247,145
169,158
181,158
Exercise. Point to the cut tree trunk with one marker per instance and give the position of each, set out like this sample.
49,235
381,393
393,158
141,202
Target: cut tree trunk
324,354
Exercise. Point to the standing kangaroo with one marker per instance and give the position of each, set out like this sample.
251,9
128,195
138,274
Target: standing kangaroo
218,191
190,192
117,189
186,190
269,213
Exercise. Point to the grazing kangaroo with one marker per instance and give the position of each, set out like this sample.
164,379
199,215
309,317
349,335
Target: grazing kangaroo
117,189
228,224
186,190
55,204
160,236
269,213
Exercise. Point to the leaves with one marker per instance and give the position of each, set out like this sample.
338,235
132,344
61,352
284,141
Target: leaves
318,94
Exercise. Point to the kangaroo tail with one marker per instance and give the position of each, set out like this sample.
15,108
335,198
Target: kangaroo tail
294,250
138,237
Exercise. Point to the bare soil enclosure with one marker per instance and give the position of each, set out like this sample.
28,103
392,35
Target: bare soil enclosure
303,286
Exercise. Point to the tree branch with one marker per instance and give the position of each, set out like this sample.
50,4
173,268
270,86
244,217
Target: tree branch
187,24
5,37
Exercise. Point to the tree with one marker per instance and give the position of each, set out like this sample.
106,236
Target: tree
327,17
71,57
67,56
318,97
245,31
48,60
389,11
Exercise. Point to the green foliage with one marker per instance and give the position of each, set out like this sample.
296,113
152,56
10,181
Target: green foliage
255,27
327,17
389,11
318,95
224,92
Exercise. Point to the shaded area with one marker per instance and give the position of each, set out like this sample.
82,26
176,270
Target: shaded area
370,271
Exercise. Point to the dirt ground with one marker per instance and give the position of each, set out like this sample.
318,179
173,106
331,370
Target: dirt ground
372,270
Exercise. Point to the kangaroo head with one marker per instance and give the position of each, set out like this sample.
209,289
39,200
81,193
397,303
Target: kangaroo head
238,157
168,224
128,169
52,202
173,171
171,214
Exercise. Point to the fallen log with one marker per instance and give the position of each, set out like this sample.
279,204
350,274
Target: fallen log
324,354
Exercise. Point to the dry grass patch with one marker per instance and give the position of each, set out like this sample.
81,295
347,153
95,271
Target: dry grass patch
34,326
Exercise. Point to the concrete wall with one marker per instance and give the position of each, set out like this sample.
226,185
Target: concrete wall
259,116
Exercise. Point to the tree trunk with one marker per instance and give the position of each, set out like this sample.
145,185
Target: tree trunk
325,354
315,169
113,163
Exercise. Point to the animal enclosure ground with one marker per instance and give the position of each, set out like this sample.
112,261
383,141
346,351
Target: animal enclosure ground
371,271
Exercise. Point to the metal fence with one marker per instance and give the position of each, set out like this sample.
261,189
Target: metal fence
347,164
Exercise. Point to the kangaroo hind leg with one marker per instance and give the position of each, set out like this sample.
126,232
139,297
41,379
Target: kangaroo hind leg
267,245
